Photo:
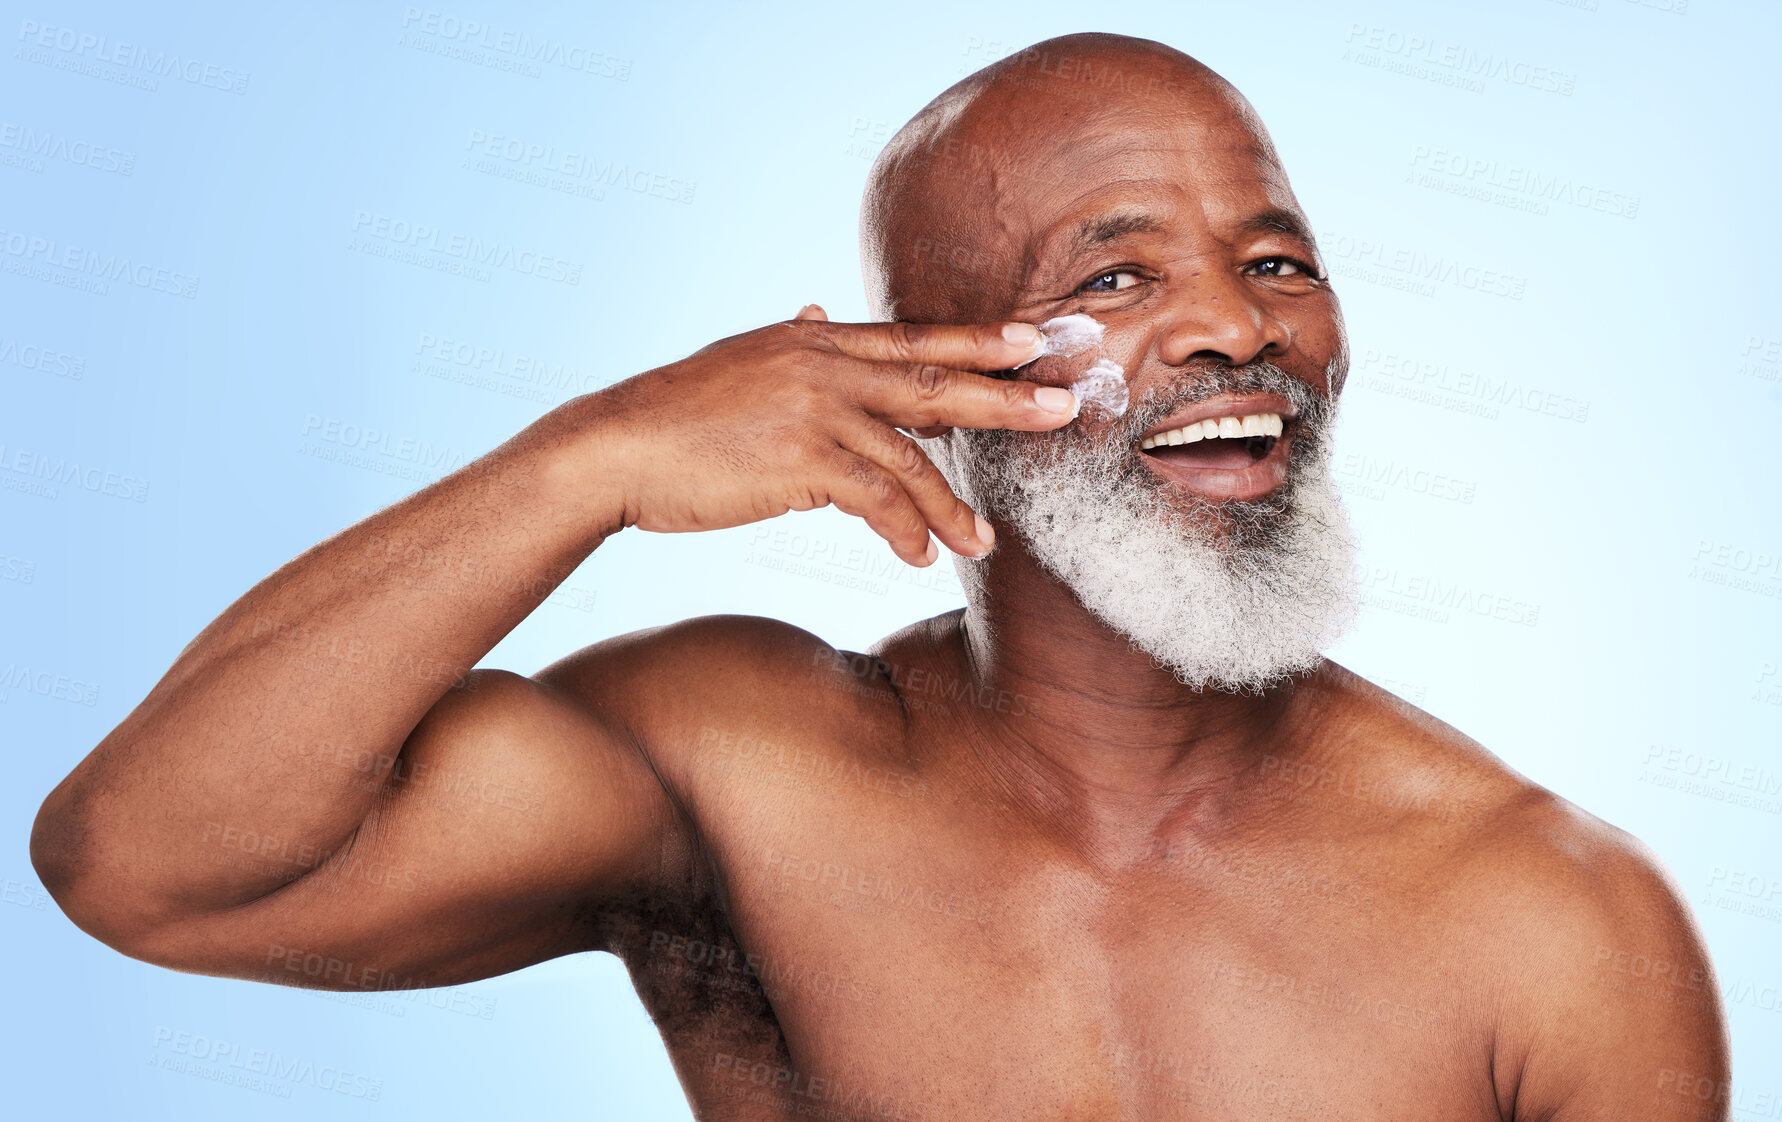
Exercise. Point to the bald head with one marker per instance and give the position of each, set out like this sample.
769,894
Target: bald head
955,202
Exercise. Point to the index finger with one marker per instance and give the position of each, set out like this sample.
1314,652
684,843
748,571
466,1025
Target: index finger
963,346
921,396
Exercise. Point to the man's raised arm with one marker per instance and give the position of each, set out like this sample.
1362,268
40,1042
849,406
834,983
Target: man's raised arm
320,777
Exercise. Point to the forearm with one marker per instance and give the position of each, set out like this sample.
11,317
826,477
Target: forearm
283,718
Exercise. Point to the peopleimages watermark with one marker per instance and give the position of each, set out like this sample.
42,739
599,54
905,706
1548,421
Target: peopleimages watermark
1412,270
67,49
851,1100
543,164
45,360
1463,173
88,269
1762,358
419,781
386,233
1462,62
1431,597
726,750
1200,1083
872,890
1313,993
844,564
1446,386
20,569
450,36
1769,680
1720,778
867,138
497,370
719,966
24,894
25,147
1757,571
1371,477
43,683
41,474
335,974
912,685
335,655
234,1064
1744,890
1298,779
289,859
430,460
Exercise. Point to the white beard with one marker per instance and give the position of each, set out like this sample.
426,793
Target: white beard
1238,597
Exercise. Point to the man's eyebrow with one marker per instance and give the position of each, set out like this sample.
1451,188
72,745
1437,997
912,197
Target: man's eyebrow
1278,222
1092,232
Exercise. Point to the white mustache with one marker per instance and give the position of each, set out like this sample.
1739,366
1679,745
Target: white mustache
1314,410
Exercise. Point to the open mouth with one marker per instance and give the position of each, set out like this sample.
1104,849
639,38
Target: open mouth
1220,443
1240,455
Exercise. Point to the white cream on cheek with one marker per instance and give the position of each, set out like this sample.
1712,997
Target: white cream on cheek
1068,335
1103,385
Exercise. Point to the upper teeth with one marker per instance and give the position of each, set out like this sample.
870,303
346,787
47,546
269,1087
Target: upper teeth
1256,424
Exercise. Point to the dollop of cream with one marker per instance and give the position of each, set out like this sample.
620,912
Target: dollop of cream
1067,335
1102,387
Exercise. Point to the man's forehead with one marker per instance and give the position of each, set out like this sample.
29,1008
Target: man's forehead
1146,193
1134,195
1039,164
1020,164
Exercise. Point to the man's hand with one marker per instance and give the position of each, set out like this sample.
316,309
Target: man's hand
285,720
805,413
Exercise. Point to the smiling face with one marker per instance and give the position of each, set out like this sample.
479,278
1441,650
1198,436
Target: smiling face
1201,521
1192,253
1118,178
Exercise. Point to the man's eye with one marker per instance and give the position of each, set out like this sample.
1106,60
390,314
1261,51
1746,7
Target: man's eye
1281,267
1110,282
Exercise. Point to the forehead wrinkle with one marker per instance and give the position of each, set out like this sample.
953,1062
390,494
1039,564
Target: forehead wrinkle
1136,207
1114,159
1093,232
973,167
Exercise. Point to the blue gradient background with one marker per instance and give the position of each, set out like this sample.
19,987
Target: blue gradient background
1642,538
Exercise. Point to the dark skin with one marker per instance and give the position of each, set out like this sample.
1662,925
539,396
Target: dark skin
1008,869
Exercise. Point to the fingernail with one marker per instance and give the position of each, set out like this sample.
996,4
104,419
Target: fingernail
1054,400
1021,334
985,533
933,550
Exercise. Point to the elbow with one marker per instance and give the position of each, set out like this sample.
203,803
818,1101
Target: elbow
54,851
65,858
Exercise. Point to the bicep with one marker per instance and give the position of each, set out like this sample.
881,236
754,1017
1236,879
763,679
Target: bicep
512,818
1638,1055
1631,1025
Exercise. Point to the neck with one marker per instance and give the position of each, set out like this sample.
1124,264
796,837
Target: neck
1095,728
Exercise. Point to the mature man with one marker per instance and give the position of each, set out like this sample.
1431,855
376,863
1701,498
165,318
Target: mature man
1112,841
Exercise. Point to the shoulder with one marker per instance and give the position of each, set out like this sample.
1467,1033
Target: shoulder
684,691
1558,877
724,661
1608,1003
1409,776
1579,893
1579,944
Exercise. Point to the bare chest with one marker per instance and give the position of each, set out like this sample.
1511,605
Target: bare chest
877,950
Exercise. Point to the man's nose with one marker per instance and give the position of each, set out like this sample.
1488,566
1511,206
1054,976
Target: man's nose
1214,314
